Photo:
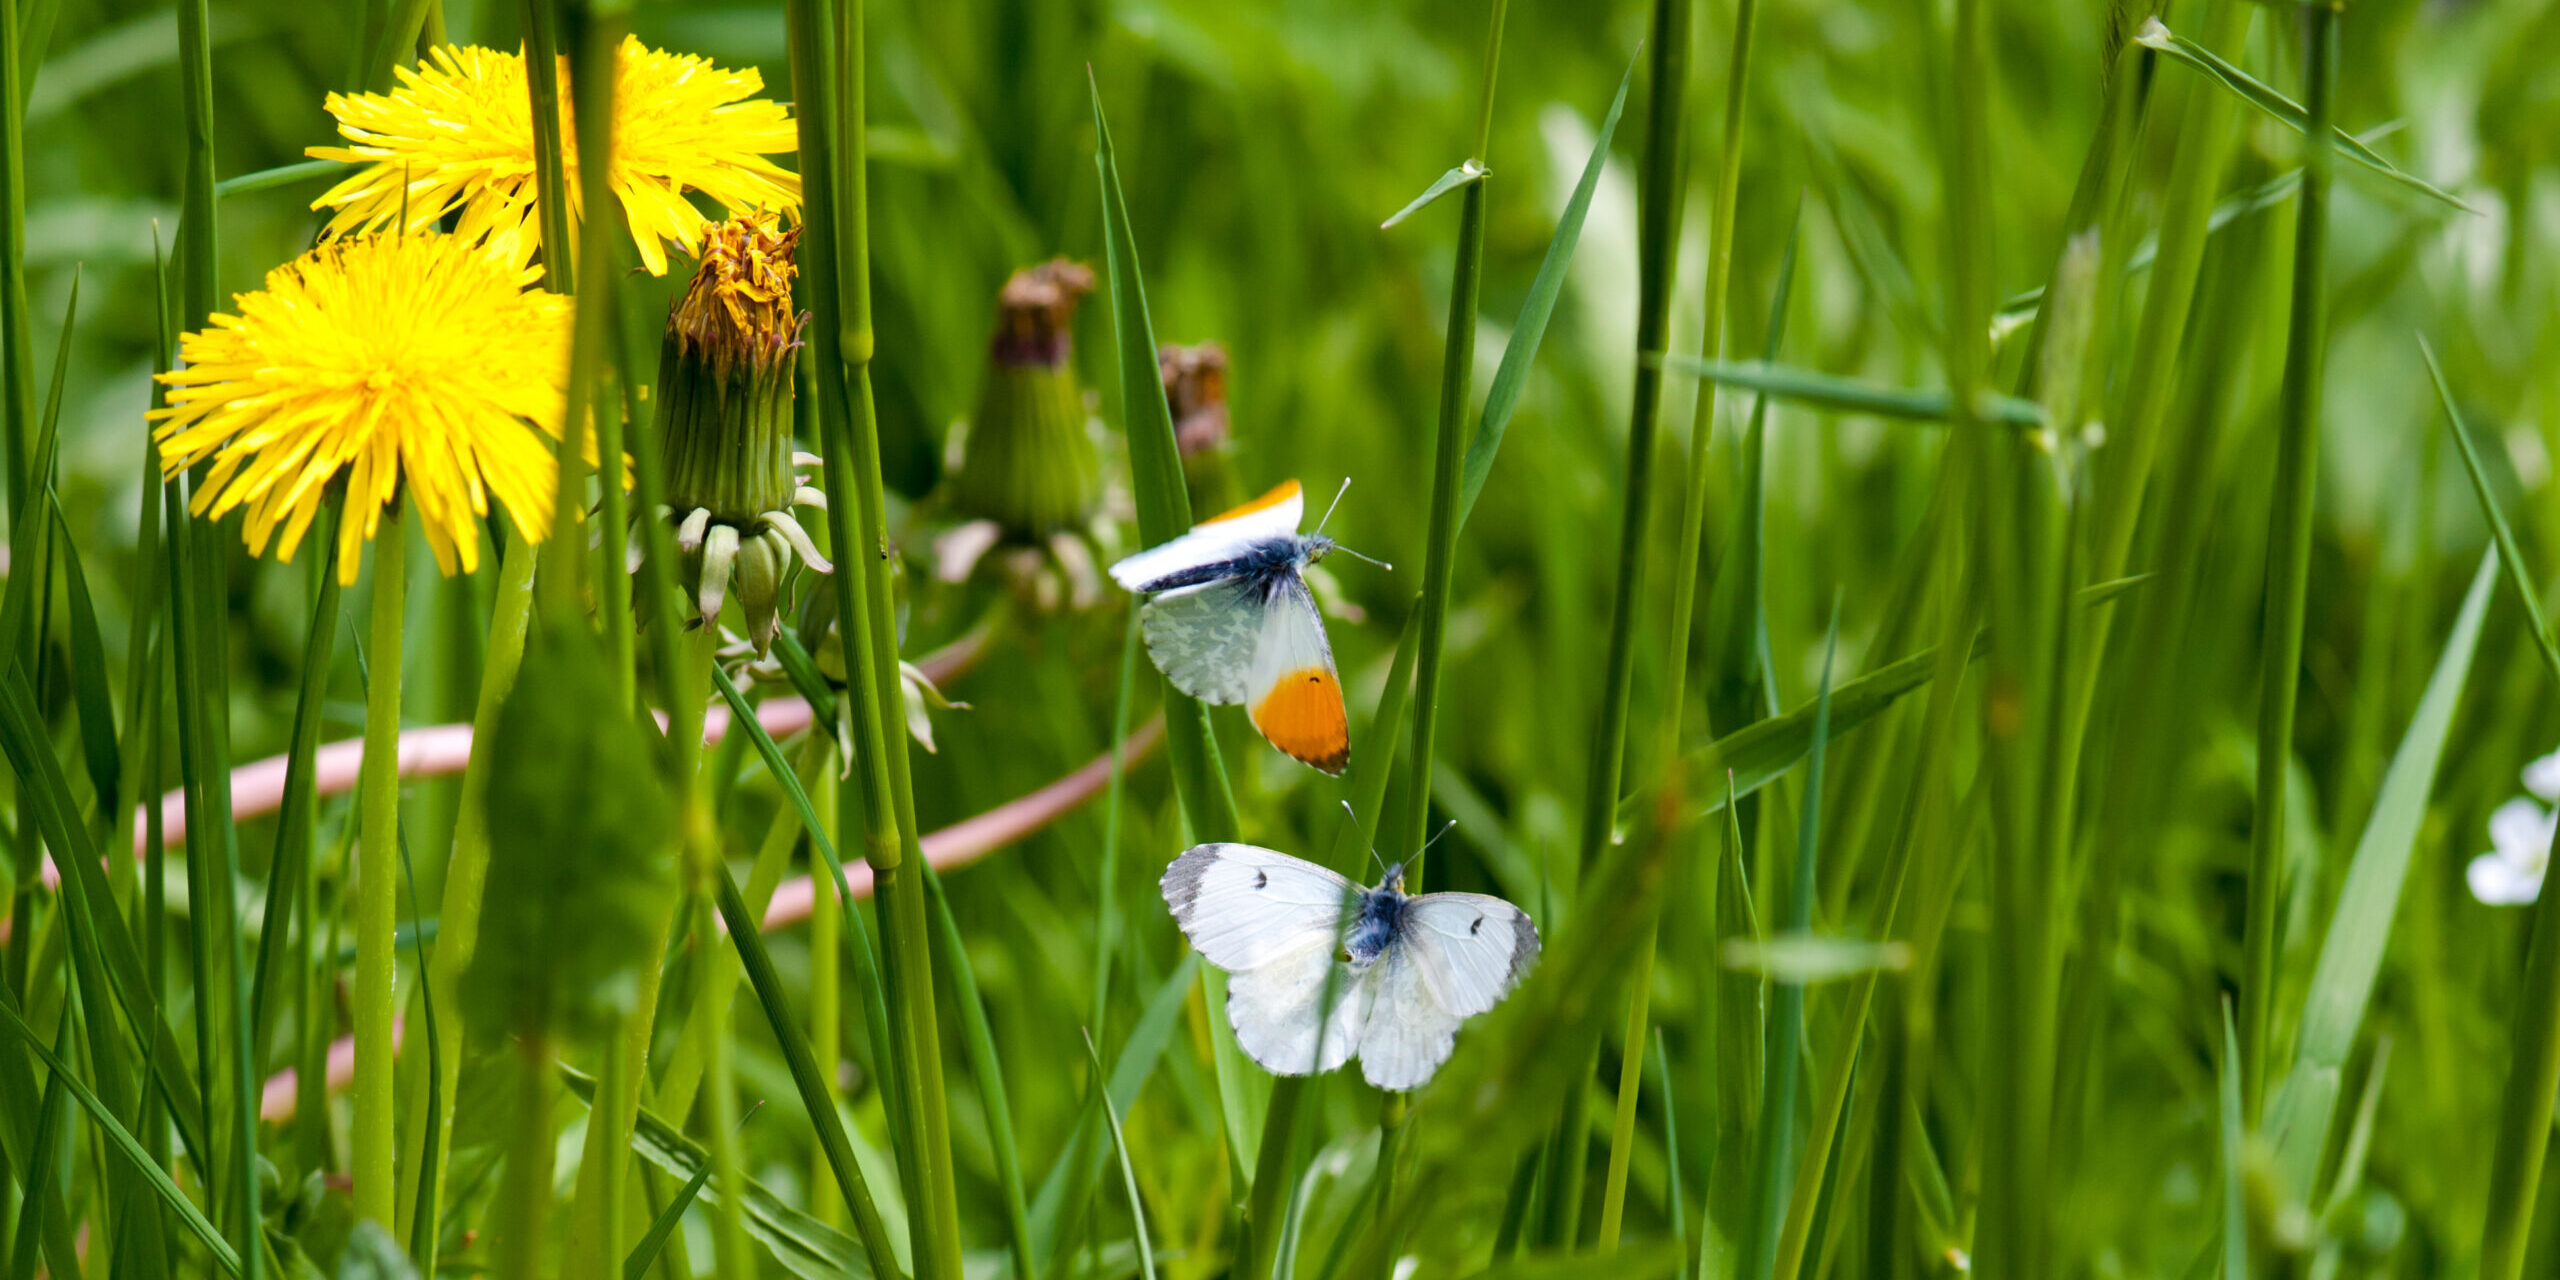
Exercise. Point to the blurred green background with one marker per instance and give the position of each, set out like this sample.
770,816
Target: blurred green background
1261,144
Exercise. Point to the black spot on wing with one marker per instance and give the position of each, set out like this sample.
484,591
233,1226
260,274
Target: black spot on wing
1261,878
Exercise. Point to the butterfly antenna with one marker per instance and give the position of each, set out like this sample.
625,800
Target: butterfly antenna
1355,824
1337,501
1435,839
1357,556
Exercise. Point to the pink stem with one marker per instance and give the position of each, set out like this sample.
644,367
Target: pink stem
960,843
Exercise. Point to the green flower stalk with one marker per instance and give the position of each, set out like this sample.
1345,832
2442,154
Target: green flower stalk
725,371
1028,462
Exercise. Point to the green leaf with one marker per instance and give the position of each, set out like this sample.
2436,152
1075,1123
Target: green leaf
803,1245
1848,395
124,1145
1804,959
1467,174
2360,928
2156,35
1512,375
2519,574
579,829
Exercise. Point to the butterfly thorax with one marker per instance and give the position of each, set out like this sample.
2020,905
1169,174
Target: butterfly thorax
1261,568
1374,929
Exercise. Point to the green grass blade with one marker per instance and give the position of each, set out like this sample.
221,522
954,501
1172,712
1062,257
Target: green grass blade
2235,1140
88,902
2360,927
1128,1174
2284,110
978,1041
815,1094
1774,1155
742,719
122,1142
17,359
1155,465
2288,569
423,1225
1849,395
1761,752
1466,174
644,1255
1448,453
803,1245
1511,377
89,675
284,175
1070,1182
43,1217
2501,530
1737,622
296,834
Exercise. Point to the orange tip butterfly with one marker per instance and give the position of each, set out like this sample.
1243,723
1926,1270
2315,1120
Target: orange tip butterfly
1230,621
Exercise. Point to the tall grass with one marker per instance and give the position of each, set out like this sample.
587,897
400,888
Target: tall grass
2082,633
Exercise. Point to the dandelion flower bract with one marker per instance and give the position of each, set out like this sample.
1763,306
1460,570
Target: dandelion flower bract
413,365
461,131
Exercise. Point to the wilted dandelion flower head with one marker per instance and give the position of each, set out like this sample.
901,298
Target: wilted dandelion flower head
725,372
461,131
409,365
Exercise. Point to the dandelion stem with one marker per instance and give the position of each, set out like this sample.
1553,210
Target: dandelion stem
467,871
378,877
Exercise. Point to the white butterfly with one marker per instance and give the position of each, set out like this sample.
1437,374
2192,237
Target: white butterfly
1232,622
1403,972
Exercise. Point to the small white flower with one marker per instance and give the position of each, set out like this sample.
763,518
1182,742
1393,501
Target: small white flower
2542,778
2520,833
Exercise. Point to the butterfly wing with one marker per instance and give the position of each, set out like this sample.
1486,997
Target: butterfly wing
1409,1032
1219,538
1274,922
1295,696
1202,638
1470,949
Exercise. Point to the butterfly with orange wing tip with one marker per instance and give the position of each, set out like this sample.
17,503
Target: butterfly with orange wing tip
1231,621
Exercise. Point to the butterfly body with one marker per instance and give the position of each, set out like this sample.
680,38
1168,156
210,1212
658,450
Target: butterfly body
1229,620
1323,969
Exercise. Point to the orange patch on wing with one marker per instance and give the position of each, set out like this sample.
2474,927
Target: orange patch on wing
1301,713
1280,493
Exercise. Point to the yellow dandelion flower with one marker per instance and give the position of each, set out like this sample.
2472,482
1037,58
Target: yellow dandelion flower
461,130
411,365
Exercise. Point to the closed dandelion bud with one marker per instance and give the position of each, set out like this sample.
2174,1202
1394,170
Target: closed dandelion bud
725,375
1028,462
1195,389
